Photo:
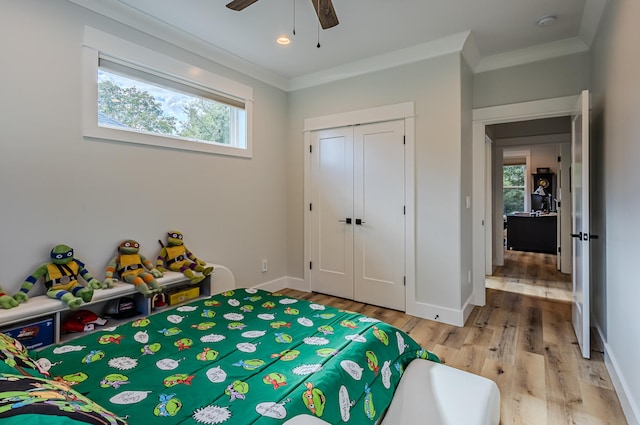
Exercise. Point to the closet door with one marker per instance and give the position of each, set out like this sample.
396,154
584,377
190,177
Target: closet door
379,201
332,212
357,217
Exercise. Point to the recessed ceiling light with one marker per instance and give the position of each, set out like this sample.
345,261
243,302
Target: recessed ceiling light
546,21
283,39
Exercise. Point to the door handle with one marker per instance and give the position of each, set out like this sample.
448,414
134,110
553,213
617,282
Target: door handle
346,220
577,235
360,222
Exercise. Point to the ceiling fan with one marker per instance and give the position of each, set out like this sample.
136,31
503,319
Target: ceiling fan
324,9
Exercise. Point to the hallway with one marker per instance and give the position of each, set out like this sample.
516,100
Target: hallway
533,274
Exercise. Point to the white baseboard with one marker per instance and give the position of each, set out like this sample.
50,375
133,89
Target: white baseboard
298,284
284,282
630,409
422,310
439,314
467,309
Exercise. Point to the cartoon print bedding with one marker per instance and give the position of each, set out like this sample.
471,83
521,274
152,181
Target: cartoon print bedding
241,357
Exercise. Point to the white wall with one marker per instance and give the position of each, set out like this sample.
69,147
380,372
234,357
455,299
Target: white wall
466,176
563,76
616,109
542,155
57,187
434,86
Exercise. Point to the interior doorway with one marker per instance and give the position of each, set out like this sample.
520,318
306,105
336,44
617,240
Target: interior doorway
528,168
488,219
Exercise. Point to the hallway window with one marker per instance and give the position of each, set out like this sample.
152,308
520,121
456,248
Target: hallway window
513,186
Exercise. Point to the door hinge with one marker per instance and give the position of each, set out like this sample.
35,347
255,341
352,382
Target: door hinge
310,148
310,207
404,280
559,158
559,249
310,265
404,209
404,140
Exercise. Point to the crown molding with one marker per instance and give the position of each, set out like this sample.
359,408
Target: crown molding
164,31
431,49
537,53
470,52
591,16
463,43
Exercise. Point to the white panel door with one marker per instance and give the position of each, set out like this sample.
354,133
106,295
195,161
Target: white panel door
379,200
357,217
332,212
580,222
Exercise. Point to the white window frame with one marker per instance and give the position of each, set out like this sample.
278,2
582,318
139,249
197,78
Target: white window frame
526,154
98,43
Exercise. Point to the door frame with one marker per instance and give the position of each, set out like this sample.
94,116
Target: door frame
482,227
400,111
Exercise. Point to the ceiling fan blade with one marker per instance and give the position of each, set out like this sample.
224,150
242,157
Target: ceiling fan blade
326,13
240,4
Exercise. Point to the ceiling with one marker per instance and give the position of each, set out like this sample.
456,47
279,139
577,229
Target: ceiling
385,31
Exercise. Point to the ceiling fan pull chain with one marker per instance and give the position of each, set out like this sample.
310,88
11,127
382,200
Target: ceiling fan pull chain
294,17
318,8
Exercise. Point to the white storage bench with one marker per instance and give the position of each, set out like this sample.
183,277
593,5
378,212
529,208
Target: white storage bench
41,306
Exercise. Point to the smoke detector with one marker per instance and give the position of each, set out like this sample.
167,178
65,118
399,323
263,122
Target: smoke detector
546,21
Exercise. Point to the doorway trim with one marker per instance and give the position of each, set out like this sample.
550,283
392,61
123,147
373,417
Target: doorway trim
482,227
400,111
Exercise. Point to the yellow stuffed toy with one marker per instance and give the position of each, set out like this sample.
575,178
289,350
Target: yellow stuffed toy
178,258
61,279
7,301
134,268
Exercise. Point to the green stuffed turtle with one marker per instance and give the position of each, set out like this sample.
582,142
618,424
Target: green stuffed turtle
176,257
7,301
61,279
134,268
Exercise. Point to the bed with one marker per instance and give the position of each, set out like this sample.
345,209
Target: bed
240,357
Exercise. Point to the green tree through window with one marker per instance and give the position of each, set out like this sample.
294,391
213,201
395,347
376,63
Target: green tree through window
152,108
206,121
513,188
134,108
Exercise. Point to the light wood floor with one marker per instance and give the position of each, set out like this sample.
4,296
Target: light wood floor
531,273
526,345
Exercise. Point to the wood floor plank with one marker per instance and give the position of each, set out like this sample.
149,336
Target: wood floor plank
530,335
599,401
529,389
470,357
564,398
503,345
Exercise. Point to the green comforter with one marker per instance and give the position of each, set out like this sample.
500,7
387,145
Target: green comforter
240,357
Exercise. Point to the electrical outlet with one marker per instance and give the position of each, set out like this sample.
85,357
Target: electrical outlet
265,265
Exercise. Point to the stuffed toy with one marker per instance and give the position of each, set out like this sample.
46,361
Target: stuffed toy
134,268
61,279
178,258
7,301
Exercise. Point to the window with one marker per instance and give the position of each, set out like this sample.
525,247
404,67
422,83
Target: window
513,186
160,101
